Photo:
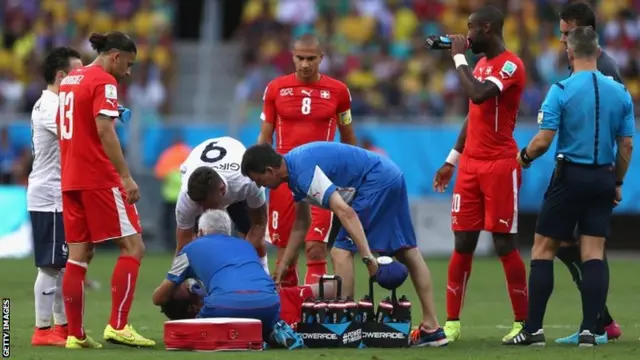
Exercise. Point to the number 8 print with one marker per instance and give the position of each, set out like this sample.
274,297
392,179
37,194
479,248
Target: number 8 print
306,106
274,220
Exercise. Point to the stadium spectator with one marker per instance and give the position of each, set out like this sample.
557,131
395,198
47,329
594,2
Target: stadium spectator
9,158
31,28
377,48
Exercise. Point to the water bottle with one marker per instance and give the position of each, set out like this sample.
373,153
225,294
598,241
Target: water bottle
385,311
351,309
320,310
365,310
438,42
340,313
402,310
308,311
329,315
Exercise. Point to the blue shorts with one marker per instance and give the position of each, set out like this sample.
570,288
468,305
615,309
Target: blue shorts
49,244
385,217
269,315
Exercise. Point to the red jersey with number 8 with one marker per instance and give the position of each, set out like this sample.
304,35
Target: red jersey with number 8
84,94
305,112
491,124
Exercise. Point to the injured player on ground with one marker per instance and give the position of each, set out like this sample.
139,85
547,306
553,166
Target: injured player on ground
207,282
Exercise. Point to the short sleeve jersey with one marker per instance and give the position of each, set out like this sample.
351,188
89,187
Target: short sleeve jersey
491,124
83,95
305,112
224,155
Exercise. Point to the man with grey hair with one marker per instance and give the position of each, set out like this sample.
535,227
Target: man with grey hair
586,183
232,282
214,222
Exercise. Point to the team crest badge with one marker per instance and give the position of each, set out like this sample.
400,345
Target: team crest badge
325,94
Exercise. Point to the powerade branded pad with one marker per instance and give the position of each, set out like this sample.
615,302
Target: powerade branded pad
327,323
392,324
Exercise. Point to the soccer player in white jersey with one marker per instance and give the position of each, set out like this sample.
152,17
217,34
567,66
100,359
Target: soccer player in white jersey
44,201
211,179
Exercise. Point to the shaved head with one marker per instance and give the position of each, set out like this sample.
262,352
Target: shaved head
307,41
307,56
490,15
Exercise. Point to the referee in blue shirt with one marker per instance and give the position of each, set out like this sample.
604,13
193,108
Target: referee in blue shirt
591,114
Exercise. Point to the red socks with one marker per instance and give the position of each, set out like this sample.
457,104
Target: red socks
458,276
516,275
123,286
73,293
315,270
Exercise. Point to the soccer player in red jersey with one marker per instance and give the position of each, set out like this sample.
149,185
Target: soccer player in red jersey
98,192
300,108
485,195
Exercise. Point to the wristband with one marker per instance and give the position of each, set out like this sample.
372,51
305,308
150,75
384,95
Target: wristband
524,156
619,183
453,157
459,60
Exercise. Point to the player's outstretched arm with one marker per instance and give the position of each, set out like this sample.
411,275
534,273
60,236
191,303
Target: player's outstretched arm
296,238
183,237
162,294
258,218
350,221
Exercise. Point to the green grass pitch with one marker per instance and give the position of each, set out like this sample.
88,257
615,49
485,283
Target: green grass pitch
485,319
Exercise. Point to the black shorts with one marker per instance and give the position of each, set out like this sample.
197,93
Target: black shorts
239,214
49,244
579,196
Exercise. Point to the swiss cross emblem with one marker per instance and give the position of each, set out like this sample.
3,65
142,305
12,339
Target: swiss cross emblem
325,94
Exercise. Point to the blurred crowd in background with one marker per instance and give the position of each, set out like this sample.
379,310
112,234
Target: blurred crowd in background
377,48
30,28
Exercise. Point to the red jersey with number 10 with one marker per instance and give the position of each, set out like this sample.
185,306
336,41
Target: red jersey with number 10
491,124
302,112
84,94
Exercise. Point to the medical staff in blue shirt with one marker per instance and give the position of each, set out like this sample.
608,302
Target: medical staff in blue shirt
368,194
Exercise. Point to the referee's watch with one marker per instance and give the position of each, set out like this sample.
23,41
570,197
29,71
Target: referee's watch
368,259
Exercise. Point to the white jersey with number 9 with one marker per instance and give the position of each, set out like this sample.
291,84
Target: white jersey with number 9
224,155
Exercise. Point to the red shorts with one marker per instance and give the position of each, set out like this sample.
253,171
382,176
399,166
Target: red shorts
291,299
97,215
282,214
485,195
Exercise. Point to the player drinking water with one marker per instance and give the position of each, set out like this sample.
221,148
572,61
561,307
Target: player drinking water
211,179
235,285
368,194
300,108
485,196
44,201
98,192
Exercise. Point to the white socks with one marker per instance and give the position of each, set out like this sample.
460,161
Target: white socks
264,261
59,316
48,297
